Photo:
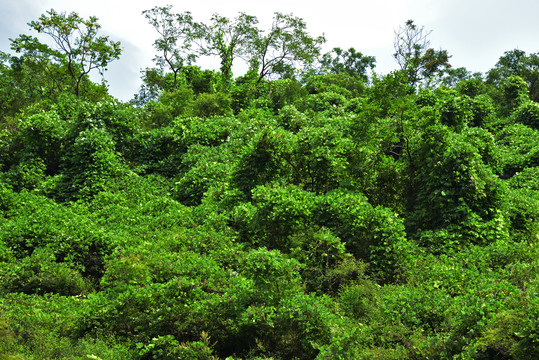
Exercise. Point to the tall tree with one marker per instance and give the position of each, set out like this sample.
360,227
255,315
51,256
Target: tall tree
517,62
415,56
285,47
177,32
29,78
350,62
77,47
229,39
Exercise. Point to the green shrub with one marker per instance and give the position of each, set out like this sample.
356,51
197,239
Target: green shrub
260,162
157,151
452,184
88,163
204,167
207,105
169,106
483,111
43,135
27,174
42,327
291,119
323,101
41,274
34,223
344,84
274,95
370,233
471,87
200,81
168,348
355,105
515,92
295,329
528,114
455,112
280,213
518,146
359,299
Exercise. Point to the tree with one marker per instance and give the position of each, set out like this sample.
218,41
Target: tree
229,39
453,76
414,56
78,48
285,47
12,97
176,35
517,62
349,61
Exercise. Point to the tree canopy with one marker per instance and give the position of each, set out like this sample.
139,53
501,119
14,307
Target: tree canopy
77,47
415,56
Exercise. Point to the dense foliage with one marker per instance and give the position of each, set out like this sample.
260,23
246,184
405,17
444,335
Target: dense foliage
322,216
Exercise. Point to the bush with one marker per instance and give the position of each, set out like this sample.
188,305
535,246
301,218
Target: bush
260,162
168,348
157,151
455,112
528,114
483,111
452,186
34,223
43,135
347,85
88,164
323,101
295,329
471,87
27,174
207,105
274,95
170,105
370,233
292,119
515,92
518,146
204,167
41,274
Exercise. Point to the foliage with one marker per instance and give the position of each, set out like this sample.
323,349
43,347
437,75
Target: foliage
286,48
519,148
471,87
229,39
172,28
343,83
455,189
517,62
414,56
528,114
88,163
351,62
169,105
206,105
515,91
79,49
325,217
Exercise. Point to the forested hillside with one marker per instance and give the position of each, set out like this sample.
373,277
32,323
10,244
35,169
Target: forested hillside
308,209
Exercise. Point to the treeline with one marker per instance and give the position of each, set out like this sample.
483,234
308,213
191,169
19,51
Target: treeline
314,211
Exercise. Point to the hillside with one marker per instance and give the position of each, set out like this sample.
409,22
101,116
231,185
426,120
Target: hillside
326,213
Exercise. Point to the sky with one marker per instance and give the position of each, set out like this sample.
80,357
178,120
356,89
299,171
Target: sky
474,32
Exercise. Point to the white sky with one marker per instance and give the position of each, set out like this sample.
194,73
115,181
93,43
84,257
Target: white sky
475,32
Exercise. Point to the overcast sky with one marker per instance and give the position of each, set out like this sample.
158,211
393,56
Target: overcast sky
475,32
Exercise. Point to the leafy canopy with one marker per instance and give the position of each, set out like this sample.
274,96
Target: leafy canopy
78,49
